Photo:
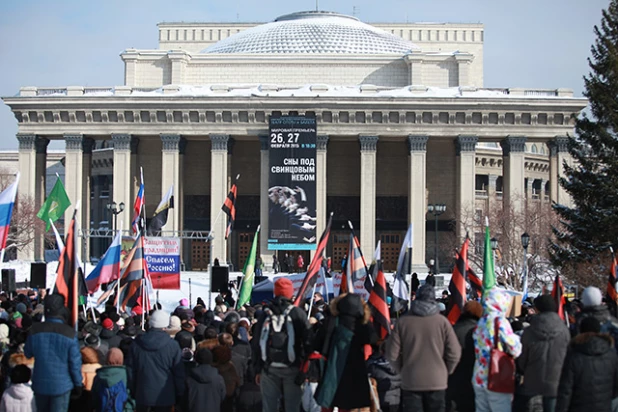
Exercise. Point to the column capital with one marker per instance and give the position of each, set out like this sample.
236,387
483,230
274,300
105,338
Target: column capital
73,141
26,141
173,142
121,141
368,143
513,144
263,141
219,142
41,145
417,143
466,143
322,142
559,144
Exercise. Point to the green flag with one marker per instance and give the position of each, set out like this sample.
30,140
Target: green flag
489,276
247,282
55,204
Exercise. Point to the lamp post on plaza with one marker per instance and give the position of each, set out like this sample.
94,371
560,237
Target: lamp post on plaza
525,242
436,209
115,210
494,247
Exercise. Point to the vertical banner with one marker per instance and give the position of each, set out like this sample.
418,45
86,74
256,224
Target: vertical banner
291,182
163,260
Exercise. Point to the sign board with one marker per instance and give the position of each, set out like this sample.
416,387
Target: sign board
292,183
162,256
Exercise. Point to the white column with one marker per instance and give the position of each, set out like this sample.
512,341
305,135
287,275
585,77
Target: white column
171,174
464,201
78,165
125,146
368,146
321,187
417,198
32,168
559,153
265,254
513,151
218,193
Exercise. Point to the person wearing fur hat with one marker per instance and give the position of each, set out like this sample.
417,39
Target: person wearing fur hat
544,346
277,361
343,344
460,382
154,365
57,370
589,376
424,349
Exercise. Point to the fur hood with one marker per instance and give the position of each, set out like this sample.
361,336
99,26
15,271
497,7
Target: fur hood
363,310
20,359
592,344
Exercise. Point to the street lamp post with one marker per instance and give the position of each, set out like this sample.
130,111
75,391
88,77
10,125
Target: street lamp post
525,242
436,209
494,246
115,210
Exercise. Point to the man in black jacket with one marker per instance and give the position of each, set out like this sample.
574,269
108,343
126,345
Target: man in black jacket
155,369
277,374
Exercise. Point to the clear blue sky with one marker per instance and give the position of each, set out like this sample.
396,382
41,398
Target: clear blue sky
528,43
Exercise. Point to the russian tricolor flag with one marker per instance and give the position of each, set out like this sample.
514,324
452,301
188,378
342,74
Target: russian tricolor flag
108,268
7,201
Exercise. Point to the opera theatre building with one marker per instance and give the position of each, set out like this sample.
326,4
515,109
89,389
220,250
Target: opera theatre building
399,116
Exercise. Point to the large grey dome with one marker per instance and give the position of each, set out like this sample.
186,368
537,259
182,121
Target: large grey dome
313,32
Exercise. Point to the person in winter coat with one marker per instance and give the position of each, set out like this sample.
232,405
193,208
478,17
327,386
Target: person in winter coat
19,396
90,365
205,386
423,348
415,283
495,306
108,335
110,375
346,381
460,382
57,370
544,345
592,299
590,373
280,380
388,380
155,369
222,361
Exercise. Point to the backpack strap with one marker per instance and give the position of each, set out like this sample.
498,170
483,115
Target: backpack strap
264,334
291,336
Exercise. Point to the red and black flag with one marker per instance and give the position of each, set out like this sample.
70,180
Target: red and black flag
457,286
612,296
476,285
355,268
313,271
229,208
377,303
558,294
68,273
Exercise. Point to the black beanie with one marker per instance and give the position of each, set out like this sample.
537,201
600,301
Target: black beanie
545,303
203,356
590,324
54,306
20,374
426,293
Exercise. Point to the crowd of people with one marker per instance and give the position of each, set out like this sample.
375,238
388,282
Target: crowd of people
320,356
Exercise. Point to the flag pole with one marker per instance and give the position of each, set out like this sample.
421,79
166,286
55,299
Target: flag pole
361,252
118,281
143,303
143,211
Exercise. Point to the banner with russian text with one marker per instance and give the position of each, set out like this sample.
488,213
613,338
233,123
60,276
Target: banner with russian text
292,183
163,260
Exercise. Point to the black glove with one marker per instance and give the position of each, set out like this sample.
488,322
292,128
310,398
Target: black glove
76,393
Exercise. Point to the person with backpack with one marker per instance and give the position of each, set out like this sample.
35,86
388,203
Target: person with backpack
279,344
109,388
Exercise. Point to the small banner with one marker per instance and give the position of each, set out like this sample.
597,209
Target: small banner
163,260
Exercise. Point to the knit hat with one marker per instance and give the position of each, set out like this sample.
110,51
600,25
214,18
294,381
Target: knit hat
203,356
473,308
108,324
426,293
284,288
120,322
21,308
54,306
159,319
592,296
4,331
545,303
115,357
184,302
174,323
590,324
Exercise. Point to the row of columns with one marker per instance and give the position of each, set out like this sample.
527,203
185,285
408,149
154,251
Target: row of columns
32,161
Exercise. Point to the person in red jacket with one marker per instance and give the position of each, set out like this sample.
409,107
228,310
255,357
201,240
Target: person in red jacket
300,263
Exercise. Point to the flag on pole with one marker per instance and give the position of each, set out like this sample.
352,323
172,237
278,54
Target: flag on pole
457,286
67,274
611,282
138,221
160,216
229,208
558,294
244,296
108,268
489,276
313,271
7,202
55,204
377,303
476,285
401,294
354,267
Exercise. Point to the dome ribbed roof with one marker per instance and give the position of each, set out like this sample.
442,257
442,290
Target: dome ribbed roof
313,32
